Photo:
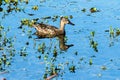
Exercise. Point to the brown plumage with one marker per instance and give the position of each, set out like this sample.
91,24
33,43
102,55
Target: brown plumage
44,30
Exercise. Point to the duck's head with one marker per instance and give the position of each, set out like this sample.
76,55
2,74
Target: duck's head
65,20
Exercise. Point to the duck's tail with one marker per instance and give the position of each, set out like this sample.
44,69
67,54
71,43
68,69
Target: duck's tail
36,26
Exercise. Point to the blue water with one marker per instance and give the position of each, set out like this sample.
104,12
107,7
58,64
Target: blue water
32,68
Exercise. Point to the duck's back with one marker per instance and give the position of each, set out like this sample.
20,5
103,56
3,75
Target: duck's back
44,30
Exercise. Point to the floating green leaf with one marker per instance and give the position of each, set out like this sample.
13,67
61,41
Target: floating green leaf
90,62
103,67
93,9
111,31
92,33
35,7
72,68
7,1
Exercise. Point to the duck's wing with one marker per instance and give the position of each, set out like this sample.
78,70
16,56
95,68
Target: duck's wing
46,26
46,30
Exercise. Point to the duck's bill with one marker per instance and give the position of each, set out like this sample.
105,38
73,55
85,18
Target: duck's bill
71,23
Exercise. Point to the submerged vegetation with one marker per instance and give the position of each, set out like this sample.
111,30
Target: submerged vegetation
7,49
94,9
114,32
93,43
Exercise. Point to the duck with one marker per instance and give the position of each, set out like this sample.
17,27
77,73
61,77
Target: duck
48,31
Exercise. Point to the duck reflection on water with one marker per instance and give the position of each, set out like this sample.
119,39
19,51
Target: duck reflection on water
62,44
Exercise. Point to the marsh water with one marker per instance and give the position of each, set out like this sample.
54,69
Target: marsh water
95,40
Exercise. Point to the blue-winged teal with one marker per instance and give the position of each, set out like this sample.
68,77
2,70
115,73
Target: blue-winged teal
44,30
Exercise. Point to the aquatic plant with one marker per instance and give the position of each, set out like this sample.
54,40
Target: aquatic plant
4,62
90,61
117,31
7,49
41,48
23,52
9,6
111,32
94,9
103,67
92,33
72,68
93,43
83,10
28,22
35,7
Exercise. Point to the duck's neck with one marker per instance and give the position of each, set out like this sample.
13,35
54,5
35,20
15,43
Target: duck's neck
62,25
